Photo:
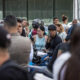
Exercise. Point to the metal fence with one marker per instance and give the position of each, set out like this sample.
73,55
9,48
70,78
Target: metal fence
43,9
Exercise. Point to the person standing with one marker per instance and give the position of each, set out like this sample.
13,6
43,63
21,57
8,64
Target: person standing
55,21
9,70
21,46
64,24
60,31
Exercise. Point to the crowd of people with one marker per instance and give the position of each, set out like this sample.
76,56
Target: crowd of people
52,50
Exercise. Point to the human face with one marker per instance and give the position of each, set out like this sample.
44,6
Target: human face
19,25
24,23
52,33
40,32
74,22
55,21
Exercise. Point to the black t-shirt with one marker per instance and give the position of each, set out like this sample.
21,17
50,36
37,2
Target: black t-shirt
64,47
23,33
53,44
11,71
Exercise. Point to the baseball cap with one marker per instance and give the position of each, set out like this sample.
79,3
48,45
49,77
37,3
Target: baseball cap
51,27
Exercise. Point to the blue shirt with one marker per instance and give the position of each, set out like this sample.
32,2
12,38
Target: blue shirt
40,43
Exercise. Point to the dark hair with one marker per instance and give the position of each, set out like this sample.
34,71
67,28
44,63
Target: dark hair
42,28
55,18
10,21
19,20
52,27
5,38
35,25
75,38
73,64
64,18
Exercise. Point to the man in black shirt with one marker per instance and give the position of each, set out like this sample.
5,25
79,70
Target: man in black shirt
60,48
53,39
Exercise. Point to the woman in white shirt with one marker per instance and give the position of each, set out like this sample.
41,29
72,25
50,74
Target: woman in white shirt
62,34
64,23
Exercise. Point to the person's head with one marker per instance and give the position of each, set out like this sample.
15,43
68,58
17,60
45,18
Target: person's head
75,21
65,19
41,31
75,39
5,42
52,30
19,25
73,64
59,28
55,20
10,23
27,26
24,22
35,25
68,37
42,23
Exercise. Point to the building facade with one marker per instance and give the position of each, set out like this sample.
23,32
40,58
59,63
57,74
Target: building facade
31,9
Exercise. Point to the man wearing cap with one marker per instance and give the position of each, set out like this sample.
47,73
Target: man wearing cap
53,39
21,46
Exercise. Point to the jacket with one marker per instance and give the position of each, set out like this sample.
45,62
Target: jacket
20,49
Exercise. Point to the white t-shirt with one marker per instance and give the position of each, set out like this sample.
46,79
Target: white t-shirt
62,35
65,26
59,63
